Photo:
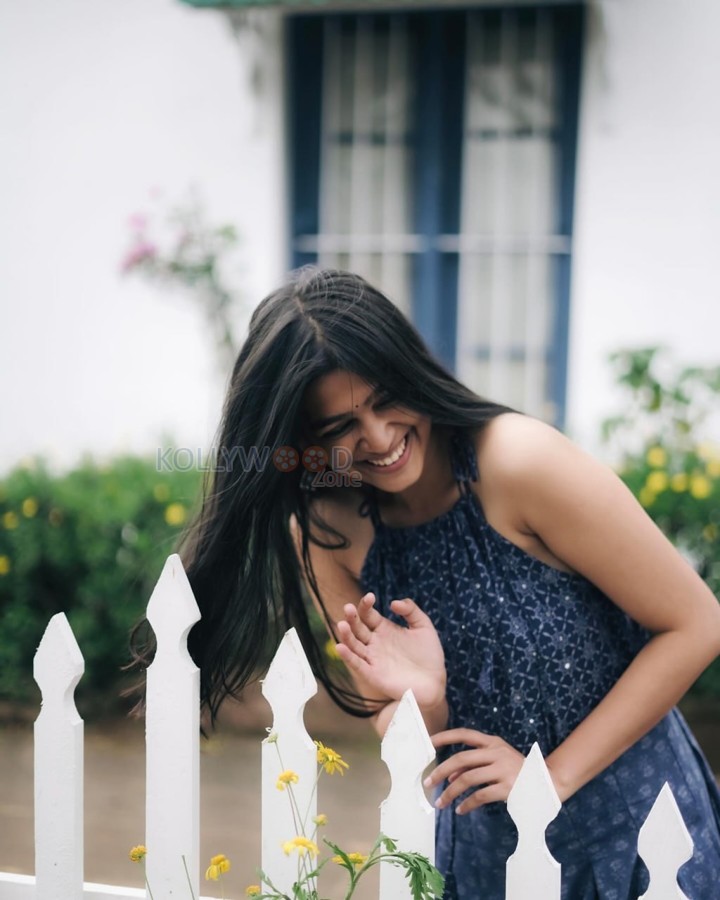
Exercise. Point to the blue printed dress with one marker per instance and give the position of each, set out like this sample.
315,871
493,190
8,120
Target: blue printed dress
529,651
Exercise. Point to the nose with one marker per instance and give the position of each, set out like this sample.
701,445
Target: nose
377,437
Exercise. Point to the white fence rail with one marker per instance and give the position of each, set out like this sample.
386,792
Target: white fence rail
172,798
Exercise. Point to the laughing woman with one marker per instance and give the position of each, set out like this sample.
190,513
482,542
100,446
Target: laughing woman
470,553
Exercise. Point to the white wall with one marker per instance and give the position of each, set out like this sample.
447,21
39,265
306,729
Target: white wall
101,101
648,196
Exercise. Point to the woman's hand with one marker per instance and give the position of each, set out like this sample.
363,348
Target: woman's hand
389,658
492,763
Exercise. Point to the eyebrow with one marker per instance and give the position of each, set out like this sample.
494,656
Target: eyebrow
321,423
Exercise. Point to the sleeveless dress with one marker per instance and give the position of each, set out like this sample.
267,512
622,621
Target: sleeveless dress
529,651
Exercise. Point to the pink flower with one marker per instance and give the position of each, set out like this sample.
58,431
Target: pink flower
138,221
139,253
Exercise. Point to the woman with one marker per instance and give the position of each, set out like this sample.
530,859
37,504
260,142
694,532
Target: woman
472,554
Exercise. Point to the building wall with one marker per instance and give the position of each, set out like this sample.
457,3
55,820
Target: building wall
648,194
100,102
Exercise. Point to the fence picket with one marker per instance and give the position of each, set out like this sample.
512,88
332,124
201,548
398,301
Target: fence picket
172,792
287,687
405,814
664,844
532,873
58,667
172,739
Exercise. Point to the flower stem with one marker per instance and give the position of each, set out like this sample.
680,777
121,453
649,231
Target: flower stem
147,883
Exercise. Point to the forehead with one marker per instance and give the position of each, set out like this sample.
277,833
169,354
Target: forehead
335,392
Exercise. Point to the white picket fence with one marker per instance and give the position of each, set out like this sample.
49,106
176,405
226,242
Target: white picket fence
173,782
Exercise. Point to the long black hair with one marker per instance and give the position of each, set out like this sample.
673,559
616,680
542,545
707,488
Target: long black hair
238,551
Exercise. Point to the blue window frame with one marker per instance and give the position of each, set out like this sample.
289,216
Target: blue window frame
399,111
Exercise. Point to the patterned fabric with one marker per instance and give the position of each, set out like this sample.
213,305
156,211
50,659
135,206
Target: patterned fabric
529,651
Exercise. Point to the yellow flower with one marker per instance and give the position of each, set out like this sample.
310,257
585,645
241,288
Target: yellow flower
700,487
656,457
161,492
29,507
710,532
302,844
286,777
175,514
320,819
329,759
10,520
331,649
713,468
657,482
646,496
253,890
357,859
4,565
137,854
679,482
218,866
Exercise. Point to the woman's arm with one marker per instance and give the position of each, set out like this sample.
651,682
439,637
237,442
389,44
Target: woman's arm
590,520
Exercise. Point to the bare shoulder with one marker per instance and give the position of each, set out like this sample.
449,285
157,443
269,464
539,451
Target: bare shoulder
512,449
339,510
522,462
512,442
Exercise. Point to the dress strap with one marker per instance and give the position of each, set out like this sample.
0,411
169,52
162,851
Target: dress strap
464,461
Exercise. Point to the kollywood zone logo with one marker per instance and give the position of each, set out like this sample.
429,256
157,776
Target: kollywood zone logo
333,471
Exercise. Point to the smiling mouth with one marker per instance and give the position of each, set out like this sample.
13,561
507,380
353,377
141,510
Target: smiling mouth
393,457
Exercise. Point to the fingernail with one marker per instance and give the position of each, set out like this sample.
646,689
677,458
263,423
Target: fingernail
439,803
428,781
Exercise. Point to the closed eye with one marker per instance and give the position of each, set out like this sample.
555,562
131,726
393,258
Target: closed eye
383,402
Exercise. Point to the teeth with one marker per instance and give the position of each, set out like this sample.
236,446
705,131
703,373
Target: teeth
389,460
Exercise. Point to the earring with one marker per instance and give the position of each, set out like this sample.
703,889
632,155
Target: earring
306,481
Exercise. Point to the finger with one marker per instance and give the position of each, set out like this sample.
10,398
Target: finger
466,759
352,660
470,778
411,612
348,639
367,612
491,794
359,628
462,736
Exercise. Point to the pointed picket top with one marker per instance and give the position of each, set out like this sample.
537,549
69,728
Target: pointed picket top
288,685
533,803
405,814
58,752
58,665
664,844
172,609
289,681
406,747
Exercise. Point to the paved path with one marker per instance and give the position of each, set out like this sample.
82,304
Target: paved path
230,802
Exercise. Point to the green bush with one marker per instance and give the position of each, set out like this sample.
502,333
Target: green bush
667,462
90,543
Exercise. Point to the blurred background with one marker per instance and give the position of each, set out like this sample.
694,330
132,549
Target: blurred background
534,183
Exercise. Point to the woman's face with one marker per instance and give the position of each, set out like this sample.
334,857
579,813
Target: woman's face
359,428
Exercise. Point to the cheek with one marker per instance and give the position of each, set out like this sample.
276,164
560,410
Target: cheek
339,455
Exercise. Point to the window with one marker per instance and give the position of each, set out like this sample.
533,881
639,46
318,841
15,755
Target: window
434,153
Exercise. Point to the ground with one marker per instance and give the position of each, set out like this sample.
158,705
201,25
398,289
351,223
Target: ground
230,800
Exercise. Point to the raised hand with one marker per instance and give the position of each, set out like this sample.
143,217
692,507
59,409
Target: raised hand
389,658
